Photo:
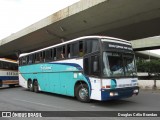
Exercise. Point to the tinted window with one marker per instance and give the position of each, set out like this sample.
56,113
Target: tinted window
37,57
81,50
68,51
8,65
54,53
95,70
91,45
74,49
48,55
86,66
31,59
61,52
24,60
1,65
43,56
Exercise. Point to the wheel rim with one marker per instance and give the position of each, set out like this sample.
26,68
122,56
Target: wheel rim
83,93
30,85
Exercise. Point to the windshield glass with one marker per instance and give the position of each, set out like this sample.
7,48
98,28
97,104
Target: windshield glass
129,64
118,64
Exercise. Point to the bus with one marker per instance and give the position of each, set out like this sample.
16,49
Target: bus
82,68
8,72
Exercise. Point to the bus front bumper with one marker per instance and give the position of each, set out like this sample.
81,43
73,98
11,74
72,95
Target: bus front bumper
118,93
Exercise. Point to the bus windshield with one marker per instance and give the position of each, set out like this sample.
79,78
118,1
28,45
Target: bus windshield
118,64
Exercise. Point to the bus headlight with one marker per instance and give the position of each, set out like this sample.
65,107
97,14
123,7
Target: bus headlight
113,94
135,91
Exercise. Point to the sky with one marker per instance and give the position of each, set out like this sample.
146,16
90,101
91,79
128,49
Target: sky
18,14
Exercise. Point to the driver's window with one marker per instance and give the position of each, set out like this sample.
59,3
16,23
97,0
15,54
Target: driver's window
95,67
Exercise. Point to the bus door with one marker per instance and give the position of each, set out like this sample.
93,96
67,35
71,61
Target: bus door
91,63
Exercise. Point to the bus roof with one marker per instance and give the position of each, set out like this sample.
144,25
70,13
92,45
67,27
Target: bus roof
76,39
8,60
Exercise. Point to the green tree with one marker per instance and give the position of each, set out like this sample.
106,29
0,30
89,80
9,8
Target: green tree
152,66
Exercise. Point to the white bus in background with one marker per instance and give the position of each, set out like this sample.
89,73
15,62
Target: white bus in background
8,72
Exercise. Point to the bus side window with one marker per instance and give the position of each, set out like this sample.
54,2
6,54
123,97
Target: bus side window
37,57
88,46
74,50
68,51
30,59
43,56
51,54
48,55
1,65
64,51
24,60
12,66
27,59
86,66
33,58
95,45
54,54
81,50
91,46
61,52
58,55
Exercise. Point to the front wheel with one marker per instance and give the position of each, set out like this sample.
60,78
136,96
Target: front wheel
82,93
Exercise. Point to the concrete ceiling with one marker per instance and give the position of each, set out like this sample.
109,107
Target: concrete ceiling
126,19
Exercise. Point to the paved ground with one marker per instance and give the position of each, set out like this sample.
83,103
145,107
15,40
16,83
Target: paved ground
20,99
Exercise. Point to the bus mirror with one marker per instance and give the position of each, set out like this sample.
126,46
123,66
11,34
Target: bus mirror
95,66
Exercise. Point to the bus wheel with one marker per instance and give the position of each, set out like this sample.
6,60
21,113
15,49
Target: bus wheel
12,85
1,83
82,93
30,85
36,87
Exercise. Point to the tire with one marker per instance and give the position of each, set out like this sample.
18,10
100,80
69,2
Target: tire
30,86
82,93
12,85
1,83
36,86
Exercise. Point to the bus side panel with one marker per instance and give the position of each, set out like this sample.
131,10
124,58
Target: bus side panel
67,83
61,83
22,81
43,81
54,77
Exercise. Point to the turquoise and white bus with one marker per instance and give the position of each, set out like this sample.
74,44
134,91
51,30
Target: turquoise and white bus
84,68
8,72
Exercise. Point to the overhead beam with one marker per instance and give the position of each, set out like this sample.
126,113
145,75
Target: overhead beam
115,18
146,43
56,17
